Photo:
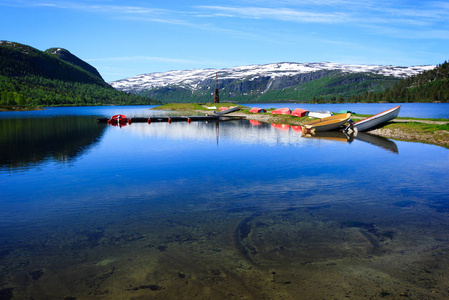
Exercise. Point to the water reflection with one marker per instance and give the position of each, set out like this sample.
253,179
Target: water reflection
252,132
241,131
26,142
156,209
338,136
377,141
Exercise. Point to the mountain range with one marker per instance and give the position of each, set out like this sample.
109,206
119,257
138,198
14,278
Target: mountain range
30,77
278,82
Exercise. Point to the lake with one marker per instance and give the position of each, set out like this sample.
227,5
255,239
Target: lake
218,210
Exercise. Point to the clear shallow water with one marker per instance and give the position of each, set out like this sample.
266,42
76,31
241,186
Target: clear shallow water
90,210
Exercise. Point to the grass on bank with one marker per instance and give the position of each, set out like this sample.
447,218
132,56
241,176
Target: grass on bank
418,127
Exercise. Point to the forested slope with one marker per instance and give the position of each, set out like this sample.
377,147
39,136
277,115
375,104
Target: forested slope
30,77
429,86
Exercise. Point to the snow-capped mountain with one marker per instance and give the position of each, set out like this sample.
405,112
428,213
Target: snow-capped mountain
268,83
193,79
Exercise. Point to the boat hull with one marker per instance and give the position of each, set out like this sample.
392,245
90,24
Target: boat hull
328,123
377,119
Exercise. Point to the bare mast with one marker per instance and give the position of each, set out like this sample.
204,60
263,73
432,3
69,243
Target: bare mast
216,96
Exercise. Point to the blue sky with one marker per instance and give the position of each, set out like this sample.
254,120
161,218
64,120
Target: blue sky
127,38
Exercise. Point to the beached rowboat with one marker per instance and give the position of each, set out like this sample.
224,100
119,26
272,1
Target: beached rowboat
378,119
282,111
299,112
326,124
319,114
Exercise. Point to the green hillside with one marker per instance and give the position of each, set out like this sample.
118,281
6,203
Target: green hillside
66,56
429,86
30,77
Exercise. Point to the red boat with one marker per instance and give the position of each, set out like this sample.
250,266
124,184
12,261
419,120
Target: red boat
118,120
256,110
281,111
299,112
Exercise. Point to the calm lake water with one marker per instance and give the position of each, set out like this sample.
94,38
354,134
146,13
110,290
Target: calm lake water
226,210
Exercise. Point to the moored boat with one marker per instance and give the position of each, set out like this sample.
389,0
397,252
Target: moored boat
118,120
326,124
377,119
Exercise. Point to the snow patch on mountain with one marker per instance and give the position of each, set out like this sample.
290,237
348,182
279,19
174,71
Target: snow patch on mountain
191,79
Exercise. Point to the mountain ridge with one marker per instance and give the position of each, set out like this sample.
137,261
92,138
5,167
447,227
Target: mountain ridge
19,60
66,56
30,77
254,82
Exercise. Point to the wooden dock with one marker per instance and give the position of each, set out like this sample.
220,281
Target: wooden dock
168,119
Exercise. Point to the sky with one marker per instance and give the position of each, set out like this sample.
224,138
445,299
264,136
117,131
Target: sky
122,39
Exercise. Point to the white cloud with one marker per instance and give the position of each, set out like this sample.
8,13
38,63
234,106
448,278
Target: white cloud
283,14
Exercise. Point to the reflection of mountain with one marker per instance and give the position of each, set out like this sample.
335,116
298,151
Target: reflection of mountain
34,140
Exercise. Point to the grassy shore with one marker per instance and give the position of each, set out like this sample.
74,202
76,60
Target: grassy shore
429,131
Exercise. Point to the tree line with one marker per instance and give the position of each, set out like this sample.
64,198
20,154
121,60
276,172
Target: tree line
32,91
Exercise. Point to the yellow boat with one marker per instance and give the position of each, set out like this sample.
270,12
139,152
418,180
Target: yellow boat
326,124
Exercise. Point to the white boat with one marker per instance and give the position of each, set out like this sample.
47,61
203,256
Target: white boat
378,119
325,124
227,111
319,114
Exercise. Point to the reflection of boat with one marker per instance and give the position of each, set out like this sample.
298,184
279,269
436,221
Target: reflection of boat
319,114
255,123
377,141
282,127
332,135
378,119
297,128
326,124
